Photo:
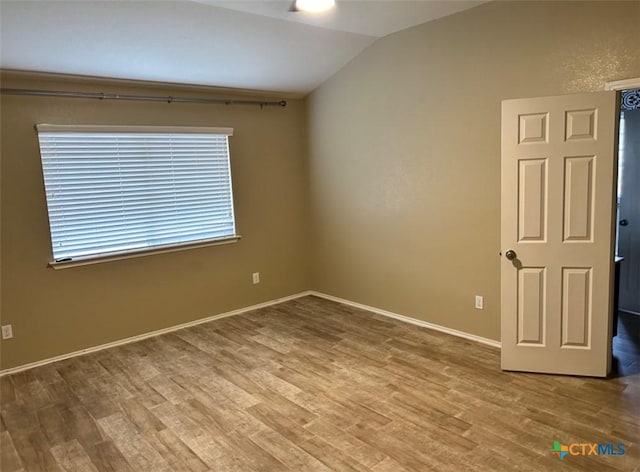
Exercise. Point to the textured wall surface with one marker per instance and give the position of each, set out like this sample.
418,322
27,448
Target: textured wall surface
54,312
404,149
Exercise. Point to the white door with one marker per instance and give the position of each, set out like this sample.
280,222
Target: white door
558,174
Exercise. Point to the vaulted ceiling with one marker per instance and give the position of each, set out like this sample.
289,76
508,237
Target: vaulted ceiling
257,45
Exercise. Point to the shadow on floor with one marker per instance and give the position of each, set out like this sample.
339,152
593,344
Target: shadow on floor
626,346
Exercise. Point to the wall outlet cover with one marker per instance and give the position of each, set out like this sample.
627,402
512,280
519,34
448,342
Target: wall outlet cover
7,332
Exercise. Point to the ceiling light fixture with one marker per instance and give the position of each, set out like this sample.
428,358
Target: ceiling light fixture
314,6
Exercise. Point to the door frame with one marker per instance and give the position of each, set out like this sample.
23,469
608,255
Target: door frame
619,86
625,84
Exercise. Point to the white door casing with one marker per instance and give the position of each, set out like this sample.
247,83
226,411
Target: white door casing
558,175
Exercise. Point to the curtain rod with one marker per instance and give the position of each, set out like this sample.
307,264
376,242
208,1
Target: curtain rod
142,98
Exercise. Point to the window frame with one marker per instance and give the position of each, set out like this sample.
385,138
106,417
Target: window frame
107,256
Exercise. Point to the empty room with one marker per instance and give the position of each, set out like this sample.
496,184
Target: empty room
320,235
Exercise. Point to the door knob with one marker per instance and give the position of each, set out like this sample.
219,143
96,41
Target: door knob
510,254
624,222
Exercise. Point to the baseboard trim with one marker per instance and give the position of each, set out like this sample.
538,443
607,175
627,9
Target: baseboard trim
408,319
150,334
239,311
629,312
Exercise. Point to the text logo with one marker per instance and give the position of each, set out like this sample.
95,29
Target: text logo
587,449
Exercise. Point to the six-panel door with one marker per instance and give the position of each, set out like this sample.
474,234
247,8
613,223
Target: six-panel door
558,173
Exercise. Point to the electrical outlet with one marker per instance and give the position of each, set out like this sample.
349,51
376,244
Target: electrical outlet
256,278
7,332
479,302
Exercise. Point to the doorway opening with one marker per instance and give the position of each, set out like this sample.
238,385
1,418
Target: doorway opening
626,343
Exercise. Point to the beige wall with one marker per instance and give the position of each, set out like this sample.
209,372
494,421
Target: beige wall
400,164
404,149
58,311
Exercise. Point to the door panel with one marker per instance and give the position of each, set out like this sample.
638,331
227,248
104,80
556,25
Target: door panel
576,307
531,317
581,125
533,128
578,198
558,173
532,200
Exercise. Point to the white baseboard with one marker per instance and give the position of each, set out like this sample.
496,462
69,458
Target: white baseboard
629,312
408,319
140,337
150,334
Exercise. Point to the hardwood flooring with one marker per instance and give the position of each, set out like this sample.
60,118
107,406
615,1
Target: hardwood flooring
309,385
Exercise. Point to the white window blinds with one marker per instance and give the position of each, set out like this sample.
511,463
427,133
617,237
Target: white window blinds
113,190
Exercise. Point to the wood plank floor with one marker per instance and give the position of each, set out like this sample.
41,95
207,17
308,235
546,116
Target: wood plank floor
309,385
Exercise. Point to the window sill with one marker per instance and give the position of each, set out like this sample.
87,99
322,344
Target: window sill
141,253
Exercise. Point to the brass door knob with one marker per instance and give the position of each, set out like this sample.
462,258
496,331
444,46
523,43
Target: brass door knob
510,254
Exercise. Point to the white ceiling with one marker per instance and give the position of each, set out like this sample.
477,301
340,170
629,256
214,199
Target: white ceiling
369,17
257,45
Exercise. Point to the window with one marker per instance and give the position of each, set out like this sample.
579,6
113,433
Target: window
119,190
